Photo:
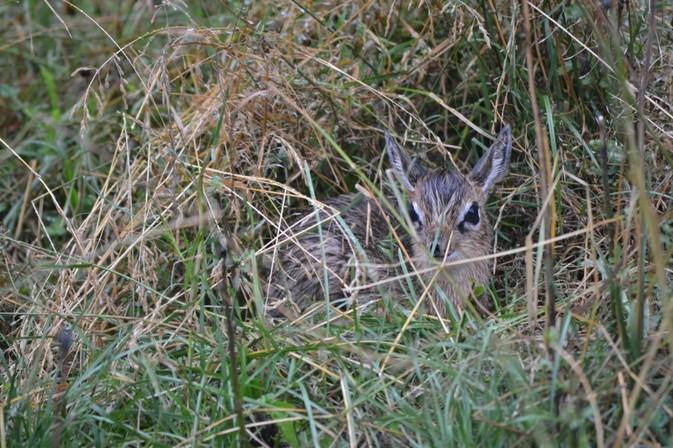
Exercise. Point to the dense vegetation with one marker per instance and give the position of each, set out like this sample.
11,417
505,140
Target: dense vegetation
137,136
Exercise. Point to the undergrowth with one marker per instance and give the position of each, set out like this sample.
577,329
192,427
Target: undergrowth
137,137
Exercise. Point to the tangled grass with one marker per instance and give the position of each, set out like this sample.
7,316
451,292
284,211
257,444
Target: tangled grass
136,137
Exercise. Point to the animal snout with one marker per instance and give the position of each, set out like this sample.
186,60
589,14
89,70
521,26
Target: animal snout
441,253
438,251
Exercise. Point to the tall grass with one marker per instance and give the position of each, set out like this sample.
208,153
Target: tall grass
137,136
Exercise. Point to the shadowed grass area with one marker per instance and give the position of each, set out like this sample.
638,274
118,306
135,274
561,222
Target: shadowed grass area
138,136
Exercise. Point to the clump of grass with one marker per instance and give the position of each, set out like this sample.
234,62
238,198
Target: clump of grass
134,136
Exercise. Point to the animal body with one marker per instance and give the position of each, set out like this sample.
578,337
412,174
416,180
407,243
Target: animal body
346,245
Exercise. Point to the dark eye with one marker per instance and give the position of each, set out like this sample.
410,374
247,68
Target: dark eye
472,215
414,216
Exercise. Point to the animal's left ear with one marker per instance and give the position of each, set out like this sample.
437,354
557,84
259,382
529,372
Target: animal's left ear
493,165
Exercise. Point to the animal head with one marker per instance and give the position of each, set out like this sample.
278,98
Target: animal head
446,208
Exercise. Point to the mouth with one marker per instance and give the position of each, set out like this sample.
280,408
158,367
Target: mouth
452,255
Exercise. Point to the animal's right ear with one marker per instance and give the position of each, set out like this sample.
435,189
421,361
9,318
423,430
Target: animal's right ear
409,172
493,165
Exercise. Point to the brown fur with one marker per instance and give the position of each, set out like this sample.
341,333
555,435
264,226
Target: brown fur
324,261
299,271
442,197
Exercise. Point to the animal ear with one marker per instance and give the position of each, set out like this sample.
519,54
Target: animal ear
408,171
493,165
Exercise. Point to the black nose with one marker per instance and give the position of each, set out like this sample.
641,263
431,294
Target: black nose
438,252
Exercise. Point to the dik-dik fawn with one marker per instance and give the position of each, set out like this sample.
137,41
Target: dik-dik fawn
346,244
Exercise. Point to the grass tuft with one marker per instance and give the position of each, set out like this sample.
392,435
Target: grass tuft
134,135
